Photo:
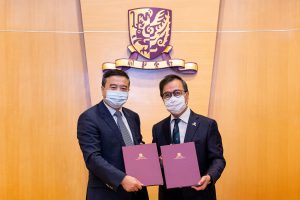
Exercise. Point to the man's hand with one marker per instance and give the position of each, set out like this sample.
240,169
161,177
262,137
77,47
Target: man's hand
205,180
131,184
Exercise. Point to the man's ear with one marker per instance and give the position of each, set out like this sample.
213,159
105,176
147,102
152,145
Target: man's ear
102,90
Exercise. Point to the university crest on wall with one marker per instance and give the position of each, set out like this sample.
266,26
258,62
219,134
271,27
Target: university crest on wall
150,35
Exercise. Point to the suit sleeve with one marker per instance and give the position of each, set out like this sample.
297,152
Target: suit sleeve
90,144
155,140
153,135
215,153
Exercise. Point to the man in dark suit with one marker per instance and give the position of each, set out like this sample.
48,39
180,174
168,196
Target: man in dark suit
183,125
102,131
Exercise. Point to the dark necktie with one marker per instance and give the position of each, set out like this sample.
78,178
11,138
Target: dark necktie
125,133
175,134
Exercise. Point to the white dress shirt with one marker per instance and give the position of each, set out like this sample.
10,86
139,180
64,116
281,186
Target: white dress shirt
184,119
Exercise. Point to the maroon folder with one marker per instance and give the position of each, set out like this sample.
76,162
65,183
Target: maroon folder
180,165
142,162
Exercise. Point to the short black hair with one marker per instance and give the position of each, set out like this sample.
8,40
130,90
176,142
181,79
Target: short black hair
167,79
114,72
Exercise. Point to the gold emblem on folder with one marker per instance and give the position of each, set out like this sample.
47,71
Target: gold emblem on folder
179,156
141,157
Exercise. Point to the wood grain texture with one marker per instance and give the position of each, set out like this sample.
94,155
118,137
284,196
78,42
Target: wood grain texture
42,93
260,15
255,95
187,15
43,15
255,101
43,89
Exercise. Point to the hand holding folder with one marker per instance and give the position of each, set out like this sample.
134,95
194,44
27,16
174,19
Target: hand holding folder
142,162
131,184
180,165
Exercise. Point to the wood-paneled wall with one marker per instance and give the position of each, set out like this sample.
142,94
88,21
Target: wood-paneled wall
45,84
43,89
255,98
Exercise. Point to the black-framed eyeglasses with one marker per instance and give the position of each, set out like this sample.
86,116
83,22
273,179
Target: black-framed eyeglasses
175,93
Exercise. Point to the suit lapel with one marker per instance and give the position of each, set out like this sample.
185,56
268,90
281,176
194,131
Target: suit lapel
106,116
192,126
166,132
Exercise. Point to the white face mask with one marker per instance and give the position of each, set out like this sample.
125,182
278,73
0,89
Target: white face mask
175,105
115,99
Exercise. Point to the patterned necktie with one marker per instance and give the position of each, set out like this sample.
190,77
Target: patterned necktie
176,136
125,133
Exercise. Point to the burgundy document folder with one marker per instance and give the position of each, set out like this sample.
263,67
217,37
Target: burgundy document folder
180,165
142,162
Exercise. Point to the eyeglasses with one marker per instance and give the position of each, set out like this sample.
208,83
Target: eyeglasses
175,93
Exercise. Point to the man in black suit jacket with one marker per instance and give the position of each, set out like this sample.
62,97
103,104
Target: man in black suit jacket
102,131
183,125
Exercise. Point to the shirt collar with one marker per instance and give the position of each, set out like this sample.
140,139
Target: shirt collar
184,116
111,110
